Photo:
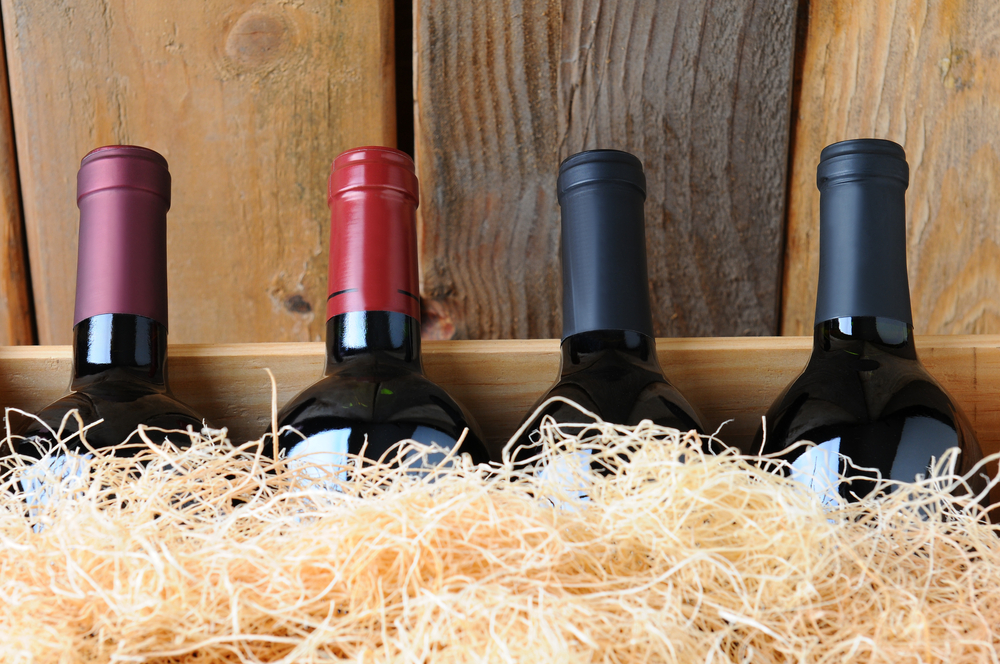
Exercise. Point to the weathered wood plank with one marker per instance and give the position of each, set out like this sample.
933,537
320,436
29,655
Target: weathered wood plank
486,134
249,101
15,300
727,378
923,74
698,90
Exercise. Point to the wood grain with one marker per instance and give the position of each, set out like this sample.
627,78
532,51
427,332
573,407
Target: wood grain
729,379
15,299
248,100
698,90
923,74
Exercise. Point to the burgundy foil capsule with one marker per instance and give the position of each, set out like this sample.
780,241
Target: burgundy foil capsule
373,196
123,192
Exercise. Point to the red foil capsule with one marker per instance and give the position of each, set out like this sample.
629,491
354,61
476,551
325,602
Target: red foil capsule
123,192
373,197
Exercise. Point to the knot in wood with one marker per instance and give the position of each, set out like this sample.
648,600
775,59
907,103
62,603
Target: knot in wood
258,38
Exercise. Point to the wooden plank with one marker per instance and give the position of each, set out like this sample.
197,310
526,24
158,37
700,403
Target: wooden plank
15,300
698,90
248,100
727,378
486,135
923,74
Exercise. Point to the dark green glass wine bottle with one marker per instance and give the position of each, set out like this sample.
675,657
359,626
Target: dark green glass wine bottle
864,398
119,377
608,359
373,393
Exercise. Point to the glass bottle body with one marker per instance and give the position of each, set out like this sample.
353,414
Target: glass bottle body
373,394
866,397
119,377
614,374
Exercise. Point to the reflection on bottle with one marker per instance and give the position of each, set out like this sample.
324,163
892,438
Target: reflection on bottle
56,473
919,435
321,460
572,472
818,468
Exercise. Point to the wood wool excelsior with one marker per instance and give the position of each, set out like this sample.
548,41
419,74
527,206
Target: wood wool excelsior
212,553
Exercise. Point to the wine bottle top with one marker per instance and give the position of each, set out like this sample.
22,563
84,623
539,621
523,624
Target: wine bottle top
373,194
862,262
601,167
123,192
123,167
370,167
605,283
862,158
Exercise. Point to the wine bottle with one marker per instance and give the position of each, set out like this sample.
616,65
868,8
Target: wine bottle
119,378
864,398
373,392
608,354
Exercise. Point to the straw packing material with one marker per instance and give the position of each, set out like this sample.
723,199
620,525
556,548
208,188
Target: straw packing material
212,553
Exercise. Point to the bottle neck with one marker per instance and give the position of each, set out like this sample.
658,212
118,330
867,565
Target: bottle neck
122,264
122,346
584,348
604,277
365,335
852,333
862,265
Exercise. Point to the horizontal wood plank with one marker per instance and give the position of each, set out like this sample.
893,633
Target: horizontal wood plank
248,100
924,74
727,378
698,90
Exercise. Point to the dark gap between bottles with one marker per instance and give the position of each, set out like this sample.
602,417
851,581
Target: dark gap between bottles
403,26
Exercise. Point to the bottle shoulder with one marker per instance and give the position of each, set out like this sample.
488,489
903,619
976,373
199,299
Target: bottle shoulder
122,407
383,407
859,388
662,403
384,395
879,410
617,391
621,391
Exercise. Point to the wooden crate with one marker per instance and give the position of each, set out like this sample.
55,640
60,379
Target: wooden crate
727,378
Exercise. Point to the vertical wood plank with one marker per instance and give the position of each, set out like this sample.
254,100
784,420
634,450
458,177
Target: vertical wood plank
698,90
15,299
922,74
248,100
487,144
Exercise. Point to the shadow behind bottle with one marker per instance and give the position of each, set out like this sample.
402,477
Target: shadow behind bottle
373,393
608,361
864,396
120,321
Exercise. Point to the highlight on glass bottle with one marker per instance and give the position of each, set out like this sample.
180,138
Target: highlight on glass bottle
608,359
373,392
119,377
864,399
